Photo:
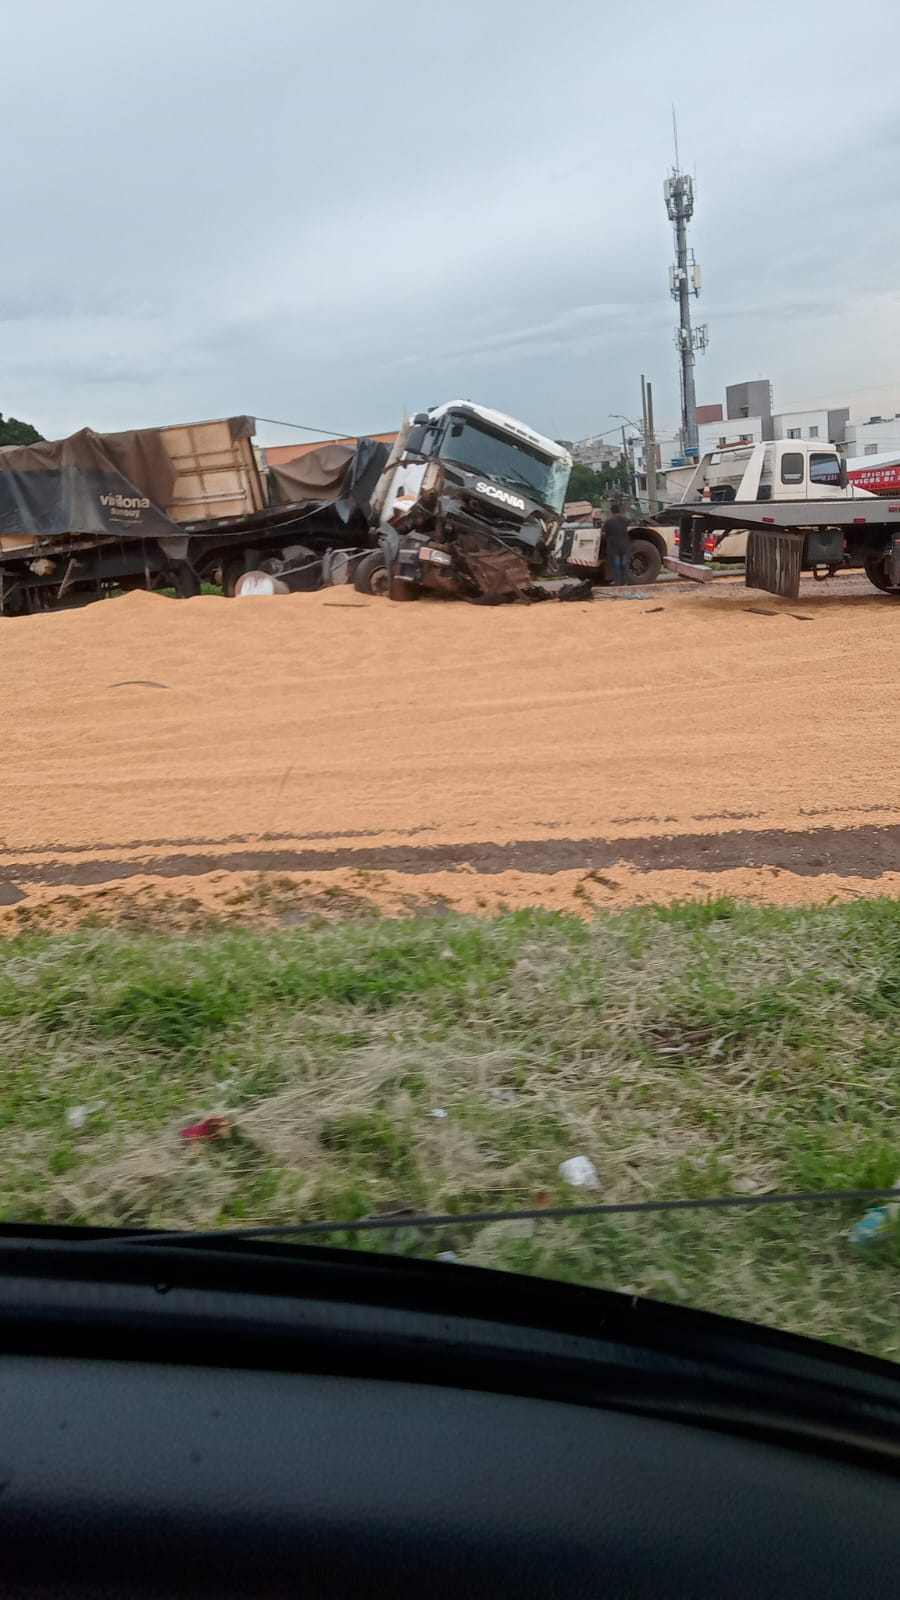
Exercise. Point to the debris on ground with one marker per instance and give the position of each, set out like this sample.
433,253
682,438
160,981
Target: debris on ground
579,1172
255,583
392,1208
580,590
208,1128
877,1224
77,1116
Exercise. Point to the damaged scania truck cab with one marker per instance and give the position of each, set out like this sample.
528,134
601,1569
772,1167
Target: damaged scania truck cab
469,503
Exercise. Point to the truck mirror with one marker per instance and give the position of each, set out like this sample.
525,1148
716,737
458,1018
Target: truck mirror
843,478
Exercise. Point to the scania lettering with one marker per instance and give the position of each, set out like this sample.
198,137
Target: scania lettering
501,494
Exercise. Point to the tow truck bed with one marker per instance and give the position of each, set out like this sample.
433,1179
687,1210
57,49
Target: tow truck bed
786,537
796,515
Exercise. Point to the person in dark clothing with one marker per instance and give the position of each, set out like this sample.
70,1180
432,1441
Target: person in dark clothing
618,545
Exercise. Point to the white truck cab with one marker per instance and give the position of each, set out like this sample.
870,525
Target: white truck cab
777,469
515,467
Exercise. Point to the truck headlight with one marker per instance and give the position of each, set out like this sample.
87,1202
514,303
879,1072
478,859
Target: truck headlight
426,552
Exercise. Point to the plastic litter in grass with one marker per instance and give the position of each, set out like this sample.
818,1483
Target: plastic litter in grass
77,1116
579,1172
208,1128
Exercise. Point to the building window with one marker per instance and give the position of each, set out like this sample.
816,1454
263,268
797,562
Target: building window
745,438
793,433
721,441
814,433
744,411
792,467
870,450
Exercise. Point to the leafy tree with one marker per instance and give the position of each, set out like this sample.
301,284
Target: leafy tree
586,484
12,431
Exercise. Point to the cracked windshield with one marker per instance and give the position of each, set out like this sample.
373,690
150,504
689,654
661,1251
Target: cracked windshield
448,760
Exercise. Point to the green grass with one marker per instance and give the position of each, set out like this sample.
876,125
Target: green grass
688,1050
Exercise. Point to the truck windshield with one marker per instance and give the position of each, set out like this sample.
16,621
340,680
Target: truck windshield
507,461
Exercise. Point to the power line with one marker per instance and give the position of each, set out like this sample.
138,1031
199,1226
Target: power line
304,427
413,1219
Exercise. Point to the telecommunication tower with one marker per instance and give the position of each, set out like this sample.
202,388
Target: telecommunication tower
684,280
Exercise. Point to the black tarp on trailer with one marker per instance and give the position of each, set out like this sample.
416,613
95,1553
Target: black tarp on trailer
90,483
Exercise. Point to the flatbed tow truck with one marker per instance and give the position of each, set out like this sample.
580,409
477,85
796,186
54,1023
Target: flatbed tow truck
836,530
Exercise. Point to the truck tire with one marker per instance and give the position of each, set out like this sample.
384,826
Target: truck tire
644,561
876,573
371,576
231,571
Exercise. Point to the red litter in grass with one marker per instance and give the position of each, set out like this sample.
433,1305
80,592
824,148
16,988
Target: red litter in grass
209,1128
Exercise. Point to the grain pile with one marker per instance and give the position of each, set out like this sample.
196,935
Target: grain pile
552,754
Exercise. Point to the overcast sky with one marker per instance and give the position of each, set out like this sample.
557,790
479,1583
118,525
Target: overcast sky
323,213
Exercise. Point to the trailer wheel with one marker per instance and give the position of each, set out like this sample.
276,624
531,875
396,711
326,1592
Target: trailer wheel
876,573
231,571
371,576
644,561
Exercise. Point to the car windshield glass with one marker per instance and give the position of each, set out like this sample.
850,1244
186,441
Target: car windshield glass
506,461
374,845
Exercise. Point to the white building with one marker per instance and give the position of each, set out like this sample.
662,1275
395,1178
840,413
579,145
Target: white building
878,436
829,425
596,452
667,450
738,430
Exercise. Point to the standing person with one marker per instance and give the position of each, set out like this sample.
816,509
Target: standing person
618,545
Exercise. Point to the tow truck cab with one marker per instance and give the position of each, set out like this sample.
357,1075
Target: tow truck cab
780,469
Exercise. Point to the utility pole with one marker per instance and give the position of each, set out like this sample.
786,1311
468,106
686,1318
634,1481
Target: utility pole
650,454
629,471
649,439
684,280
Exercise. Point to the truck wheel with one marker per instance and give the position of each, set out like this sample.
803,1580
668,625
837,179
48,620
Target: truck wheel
644,561
231,571
371,576
876,572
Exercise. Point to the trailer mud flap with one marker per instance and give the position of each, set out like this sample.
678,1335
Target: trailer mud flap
773,563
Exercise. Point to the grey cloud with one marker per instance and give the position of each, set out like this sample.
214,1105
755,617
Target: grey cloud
575,328
63,302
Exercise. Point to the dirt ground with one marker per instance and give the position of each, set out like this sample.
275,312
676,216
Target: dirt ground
670,742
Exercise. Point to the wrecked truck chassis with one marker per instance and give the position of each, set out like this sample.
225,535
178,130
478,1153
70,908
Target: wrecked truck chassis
449,549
